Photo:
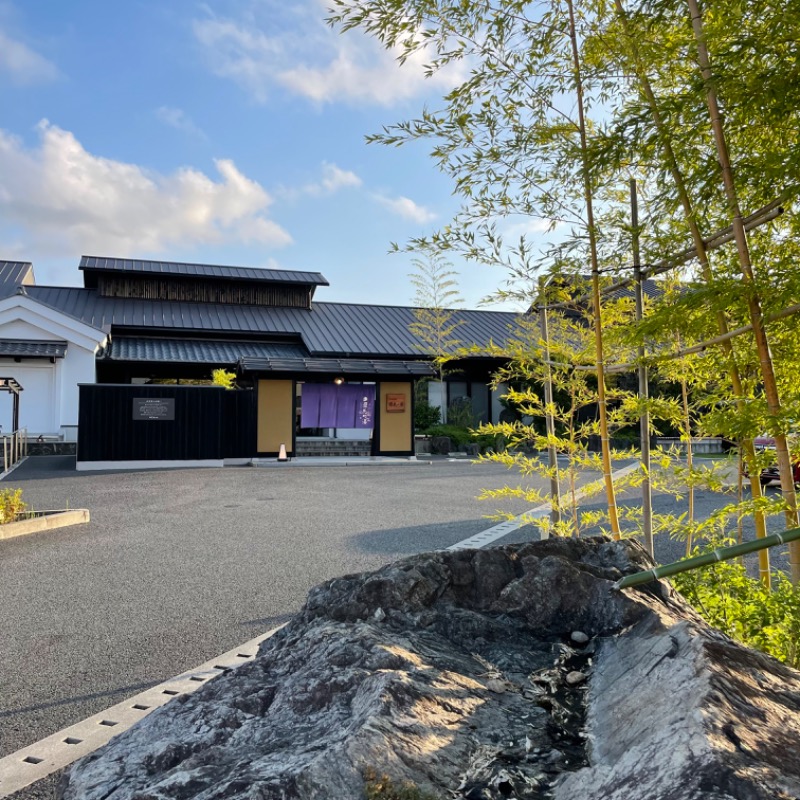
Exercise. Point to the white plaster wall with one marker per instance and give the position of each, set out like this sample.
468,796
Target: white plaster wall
49,399
437,397
37,401
353,433
77,367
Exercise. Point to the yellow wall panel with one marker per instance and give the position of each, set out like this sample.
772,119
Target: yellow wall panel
275,416
396,428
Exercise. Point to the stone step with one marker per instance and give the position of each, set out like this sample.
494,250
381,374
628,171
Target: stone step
334,447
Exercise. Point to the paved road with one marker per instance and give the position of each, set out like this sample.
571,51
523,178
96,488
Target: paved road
178,566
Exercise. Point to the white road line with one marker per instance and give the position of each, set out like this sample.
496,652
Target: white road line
510,525
37,761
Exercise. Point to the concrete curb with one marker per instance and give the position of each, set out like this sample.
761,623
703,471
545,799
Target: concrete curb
5,474
38,760
60,519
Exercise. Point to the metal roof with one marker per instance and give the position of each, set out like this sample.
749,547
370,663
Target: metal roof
197,351
32,348
345,366
14,274
341,329
92,264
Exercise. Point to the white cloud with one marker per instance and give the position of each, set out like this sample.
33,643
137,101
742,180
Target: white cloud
295,50
23,65
177,118
63,197
333,179
406,208
532,226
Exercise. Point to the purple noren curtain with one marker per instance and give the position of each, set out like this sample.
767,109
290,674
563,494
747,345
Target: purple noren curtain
329,406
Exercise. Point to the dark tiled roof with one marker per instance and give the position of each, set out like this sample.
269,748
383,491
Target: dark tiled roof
197,351
345,366
14,274
341,329
32,348
91,264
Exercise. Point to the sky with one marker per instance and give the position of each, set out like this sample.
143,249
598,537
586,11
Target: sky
222,132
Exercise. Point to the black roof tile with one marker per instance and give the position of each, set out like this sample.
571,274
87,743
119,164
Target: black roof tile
345,366
14,274
32,348
197,351
341,329
92,264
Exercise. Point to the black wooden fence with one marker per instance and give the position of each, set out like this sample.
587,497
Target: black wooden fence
164,422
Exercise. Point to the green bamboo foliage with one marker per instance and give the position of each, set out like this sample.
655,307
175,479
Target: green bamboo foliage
562,103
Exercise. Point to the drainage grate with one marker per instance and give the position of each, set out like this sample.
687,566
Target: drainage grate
109,723
140,707
72,740
32,760
170,692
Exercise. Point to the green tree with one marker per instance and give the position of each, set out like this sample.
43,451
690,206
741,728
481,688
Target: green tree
436,296
565,100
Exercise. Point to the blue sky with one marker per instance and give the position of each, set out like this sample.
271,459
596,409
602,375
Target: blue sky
228,132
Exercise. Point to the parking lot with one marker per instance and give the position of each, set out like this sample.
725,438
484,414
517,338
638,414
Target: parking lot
178,566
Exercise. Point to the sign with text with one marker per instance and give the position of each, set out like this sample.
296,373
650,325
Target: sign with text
395,403
156,408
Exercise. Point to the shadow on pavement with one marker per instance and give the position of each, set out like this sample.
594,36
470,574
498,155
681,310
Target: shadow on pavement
418,538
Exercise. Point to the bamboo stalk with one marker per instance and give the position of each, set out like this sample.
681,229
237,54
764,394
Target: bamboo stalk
644,418
552,460
753,300
598,323
687,427
705,560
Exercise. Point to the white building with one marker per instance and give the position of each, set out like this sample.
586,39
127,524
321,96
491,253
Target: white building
48,353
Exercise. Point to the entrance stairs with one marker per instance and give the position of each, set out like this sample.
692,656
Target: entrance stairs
333,447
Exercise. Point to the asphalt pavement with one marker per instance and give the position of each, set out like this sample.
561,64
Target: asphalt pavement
178,566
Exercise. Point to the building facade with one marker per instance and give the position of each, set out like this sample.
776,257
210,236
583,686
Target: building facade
136,323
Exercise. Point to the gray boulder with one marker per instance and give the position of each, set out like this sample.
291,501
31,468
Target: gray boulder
445,676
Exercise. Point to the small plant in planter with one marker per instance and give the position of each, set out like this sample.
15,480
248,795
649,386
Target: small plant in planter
12,505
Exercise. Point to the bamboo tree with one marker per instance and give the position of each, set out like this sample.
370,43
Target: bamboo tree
596,304
753,300
665,142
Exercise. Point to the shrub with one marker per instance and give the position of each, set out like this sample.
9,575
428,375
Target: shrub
741,606
460,436
221,377
459,413
455,433
11,505
426,416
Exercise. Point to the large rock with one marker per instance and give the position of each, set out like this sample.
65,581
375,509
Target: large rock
466,675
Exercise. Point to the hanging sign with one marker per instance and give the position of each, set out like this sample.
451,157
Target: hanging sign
395,403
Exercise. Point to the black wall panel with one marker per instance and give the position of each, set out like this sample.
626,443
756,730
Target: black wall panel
109,431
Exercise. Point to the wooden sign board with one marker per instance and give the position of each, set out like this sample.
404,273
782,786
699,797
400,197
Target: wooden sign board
395,403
